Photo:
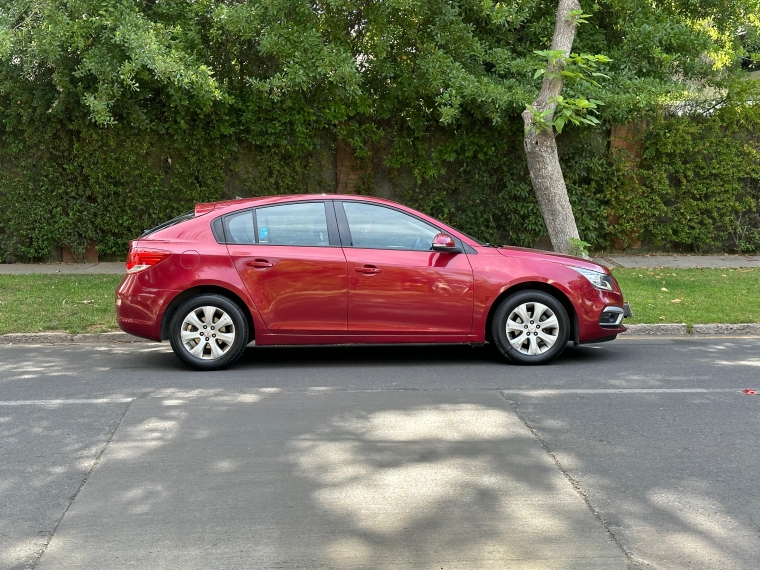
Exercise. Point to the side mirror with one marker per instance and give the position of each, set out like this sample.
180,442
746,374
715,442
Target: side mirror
445,243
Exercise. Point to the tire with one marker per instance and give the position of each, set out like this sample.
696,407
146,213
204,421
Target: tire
512,321
208,352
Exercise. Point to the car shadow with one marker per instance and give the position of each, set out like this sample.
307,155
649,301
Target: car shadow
417,355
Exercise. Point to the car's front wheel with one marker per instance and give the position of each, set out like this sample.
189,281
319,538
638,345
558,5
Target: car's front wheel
530,327
208,332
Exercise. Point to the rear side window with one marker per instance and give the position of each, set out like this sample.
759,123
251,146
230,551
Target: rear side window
293,224
239,228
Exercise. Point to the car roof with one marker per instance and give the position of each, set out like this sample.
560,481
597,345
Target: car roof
261,200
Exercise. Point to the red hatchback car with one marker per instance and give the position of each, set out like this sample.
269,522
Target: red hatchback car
330,269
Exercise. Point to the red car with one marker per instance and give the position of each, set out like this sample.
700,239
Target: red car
330,269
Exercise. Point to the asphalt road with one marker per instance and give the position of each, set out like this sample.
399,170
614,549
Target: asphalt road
641,453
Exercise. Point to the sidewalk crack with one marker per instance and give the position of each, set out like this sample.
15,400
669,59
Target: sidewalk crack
36,560
632,562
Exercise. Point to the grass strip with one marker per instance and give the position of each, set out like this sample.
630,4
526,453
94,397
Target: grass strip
691,295
70,303
84,303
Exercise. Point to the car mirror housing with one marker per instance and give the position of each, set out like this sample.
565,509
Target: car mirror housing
445,243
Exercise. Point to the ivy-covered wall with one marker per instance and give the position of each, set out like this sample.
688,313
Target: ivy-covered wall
67,186
694,187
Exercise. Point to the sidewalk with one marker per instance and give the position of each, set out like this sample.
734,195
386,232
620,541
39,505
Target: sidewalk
623,261
612,261
116,268
679,261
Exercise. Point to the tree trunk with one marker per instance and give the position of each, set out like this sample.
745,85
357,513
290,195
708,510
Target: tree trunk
540,146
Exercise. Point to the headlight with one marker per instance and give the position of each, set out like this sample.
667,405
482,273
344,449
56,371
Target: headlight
598,280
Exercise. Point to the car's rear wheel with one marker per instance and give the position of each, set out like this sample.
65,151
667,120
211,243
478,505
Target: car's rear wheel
208,332
530,327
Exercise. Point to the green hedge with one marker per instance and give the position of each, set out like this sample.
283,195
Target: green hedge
67,186
696,186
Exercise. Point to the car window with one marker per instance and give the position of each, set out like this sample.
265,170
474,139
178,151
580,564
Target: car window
293,224
378,227
240,228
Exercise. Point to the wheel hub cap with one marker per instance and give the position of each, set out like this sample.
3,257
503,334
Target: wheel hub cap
532,328
207,333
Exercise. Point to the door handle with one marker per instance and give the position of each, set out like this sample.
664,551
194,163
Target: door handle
368,270
258,264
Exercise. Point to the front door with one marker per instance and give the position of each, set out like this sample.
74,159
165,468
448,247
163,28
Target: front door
397,285
291,262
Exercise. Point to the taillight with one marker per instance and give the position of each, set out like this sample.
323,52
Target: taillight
142,259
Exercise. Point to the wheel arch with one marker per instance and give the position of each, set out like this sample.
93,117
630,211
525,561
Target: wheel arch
538,286
200,290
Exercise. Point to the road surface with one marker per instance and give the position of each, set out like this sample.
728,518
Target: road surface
640,453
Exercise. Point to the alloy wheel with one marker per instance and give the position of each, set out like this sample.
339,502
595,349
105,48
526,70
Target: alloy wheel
532,328
207,333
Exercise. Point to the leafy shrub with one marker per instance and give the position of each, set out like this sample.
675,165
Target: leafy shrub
697,185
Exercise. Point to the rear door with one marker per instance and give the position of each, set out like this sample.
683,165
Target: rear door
290,259
397,284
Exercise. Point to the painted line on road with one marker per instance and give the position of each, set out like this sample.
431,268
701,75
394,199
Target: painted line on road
65,402
552,392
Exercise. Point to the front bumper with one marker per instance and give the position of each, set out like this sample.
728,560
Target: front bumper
612,316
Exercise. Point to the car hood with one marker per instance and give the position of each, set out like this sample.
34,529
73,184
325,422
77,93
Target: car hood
540,255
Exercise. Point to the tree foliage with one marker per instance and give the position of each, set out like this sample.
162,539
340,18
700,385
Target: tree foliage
95,97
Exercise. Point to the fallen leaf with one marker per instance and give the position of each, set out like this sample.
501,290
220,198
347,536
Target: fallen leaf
676,301
662,318
90,302
663,289
724,275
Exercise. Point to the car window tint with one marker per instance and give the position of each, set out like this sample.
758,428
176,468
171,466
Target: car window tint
293,224
378,227
240,228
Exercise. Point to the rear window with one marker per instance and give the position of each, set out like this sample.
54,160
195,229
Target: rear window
173,222
240,228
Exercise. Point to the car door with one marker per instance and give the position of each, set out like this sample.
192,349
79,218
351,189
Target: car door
397,284
290,259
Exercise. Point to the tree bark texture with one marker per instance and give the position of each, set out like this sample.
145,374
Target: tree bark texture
541,147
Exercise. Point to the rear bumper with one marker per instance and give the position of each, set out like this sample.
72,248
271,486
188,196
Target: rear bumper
139,310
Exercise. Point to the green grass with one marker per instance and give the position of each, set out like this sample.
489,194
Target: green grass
84,303
692,296
71,303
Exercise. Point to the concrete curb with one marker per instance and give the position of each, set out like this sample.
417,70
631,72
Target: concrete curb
656,330
750,329
66,338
